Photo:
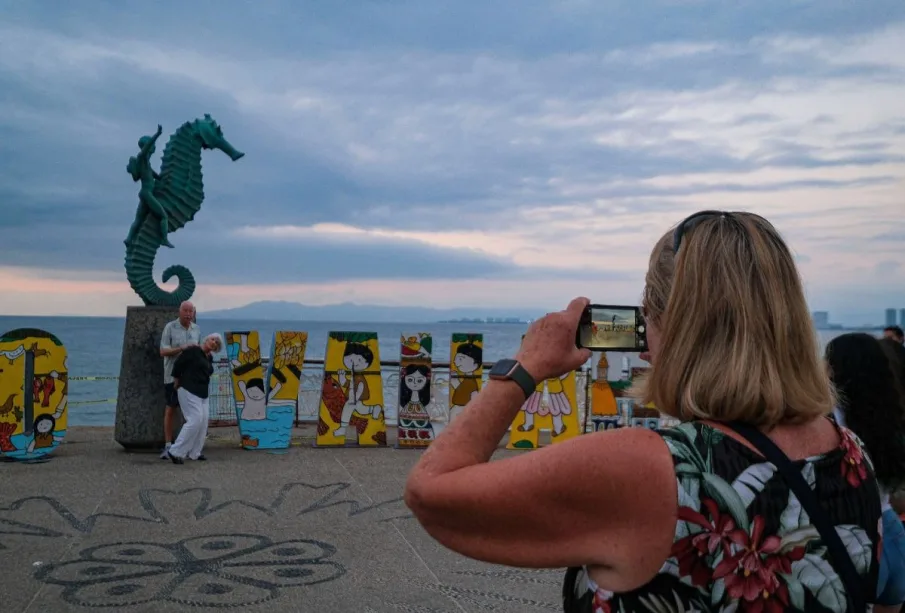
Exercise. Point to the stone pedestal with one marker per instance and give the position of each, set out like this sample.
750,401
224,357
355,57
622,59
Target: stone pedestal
140,401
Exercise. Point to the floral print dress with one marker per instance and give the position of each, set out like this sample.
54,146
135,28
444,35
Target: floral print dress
743,542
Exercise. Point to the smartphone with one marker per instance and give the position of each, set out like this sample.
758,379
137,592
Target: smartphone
605,327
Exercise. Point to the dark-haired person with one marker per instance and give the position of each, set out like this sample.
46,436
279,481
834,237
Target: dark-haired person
192,378
871,405
690,518
895,333
895,351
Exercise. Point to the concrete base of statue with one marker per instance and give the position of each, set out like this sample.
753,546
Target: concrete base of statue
140,401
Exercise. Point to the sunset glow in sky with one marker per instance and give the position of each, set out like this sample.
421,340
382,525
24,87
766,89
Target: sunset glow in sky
452,153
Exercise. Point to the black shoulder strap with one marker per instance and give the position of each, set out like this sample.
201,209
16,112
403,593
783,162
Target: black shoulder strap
839,557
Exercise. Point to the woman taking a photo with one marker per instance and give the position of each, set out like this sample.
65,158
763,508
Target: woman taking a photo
870,403
192,378
688,518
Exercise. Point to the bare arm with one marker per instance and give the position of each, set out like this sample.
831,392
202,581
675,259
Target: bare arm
147,148
573,503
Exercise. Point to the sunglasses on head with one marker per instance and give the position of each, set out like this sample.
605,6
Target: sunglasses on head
690,222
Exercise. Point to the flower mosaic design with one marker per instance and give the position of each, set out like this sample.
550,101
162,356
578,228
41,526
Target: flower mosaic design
222,571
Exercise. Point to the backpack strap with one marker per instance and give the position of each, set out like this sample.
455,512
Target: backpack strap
841,561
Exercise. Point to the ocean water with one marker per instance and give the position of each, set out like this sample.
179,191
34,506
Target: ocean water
94,346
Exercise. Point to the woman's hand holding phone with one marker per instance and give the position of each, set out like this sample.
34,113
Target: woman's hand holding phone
549,349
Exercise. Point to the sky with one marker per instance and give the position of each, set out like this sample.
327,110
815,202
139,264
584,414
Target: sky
513,153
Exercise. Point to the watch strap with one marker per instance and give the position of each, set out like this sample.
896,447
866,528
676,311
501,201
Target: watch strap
514,371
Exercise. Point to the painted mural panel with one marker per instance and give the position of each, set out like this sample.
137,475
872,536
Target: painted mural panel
603,399
34,390
243,350
351,407
466,370
265,403
557,413
415,430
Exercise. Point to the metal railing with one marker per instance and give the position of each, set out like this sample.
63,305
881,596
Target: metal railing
223,412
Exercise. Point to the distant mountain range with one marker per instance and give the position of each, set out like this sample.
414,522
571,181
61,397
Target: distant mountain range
350,312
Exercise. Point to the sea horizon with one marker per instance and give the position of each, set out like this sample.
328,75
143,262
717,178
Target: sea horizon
877,327
94,347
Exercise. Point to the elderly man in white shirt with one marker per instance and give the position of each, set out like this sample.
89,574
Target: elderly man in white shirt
177,335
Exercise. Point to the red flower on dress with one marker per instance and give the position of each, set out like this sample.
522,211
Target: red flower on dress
752,573
853,468
691,552
601,602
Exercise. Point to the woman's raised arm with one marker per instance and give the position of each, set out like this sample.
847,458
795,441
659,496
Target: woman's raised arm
606,499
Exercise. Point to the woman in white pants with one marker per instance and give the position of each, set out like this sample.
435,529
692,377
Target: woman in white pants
191,378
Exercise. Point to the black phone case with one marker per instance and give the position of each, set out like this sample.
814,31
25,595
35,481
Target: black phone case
640,343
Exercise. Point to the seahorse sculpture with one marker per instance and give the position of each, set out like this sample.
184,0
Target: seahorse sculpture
168,201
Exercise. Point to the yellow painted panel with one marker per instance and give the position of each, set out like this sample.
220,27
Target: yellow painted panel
272,428
243,349
352,393
286,366
415,430
34,388
523,433
567,388
559,414
466,370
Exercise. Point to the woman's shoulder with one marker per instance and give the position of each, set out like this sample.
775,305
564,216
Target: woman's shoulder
692,435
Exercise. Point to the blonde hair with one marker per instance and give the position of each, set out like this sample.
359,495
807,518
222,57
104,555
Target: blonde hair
737,341
218,341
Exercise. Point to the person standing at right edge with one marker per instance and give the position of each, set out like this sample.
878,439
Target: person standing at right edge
177,335
871,404
756,503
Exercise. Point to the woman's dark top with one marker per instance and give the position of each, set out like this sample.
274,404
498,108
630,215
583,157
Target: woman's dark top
194,368
743,541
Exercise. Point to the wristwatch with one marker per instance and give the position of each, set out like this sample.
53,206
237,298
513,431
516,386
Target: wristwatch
511,370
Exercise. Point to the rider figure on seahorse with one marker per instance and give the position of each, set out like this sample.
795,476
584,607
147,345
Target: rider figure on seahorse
140,168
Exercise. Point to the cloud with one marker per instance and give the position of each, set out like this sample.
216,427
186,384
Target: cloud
529,139
256,255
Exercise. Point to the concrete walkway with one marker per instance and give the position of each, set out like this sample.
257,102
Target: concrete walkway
306,529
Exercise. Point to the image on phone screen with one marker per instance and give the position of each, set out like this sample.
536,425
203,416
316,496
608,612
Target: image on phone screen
607,328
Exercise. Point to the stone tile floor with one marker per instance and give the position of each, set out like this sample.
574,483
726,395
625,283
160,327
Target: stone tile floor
298,530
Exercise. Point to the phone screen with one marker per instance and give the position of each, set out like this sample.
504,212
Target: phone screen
612,328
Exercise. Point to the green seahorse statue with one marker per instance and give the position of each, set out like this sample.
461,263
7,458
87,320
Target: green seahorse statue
168,201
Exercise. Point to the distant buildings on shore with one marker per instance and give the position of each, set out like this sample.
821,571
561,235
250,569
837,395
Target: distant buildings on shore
891,317
486,320
822,321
